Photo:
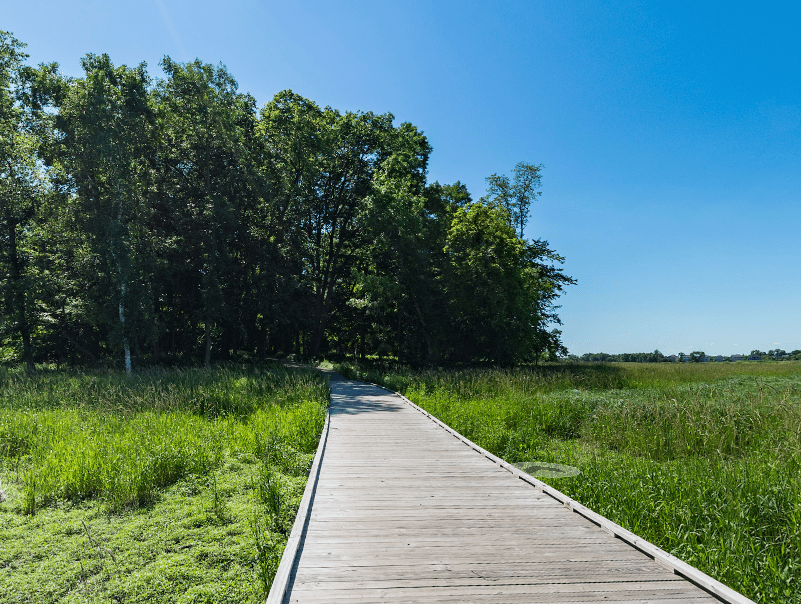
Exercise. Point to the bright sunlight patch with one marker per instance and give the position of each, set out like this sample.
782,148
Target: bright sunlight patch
541,469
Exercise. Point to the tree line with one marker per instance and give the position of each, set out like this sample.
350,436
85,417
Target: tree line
157,220
697,356
625,357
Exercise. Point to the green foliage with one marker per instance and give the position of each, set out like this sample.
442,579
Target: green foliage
23,187
737,520
105,121
626,357
701,459
269,550
516,196
207,186
167,220
498,291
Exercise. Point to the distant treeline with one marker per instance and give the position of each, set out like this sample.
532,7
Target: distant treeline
626,357
170,220
697,356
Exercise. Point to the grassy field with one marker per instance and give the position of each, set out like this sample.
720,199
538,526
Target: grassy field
166,486
704,460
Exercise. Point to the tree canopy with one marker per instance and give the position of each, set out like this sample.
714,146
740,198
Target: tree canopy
163,220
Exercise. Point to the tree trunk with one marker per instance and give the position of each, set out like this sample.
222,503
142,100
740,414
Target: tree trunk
19,298
125,343
426,336
207,360
400,337
317,338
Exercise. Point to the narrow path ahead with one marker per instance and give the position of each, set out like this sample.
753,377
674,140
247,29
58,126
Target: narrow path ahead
404,512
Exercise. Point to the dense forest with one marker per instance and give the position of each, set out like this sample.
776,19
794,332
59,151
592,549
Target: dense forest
147,220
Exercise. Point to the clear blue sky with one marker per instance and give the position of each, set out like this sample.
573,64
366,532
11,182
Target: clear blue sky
670,132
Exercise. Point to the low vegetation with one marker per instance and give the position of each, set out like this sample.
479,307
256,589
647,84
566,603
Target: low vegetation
703,460
167,485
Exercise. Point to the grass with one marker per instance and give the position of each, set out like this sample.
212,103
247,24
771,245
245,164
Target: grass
704,460
167,486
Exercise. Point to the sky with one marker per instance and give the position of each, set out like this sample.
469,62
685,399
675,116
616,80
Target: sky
669,132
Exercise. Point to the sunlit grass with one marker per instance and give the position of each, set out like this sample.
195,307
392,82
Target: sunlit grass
194,444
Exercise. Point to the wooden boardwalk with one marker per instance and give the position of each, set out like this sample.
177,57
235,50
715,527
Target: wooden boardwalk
399,510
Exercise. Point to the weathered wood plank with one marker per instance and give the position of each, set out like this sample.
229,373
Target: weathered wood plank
405,512
654,591
548,572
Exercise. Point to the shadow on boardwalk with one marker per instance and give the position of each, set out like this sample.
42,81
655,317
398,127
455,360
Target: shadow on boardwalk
351,398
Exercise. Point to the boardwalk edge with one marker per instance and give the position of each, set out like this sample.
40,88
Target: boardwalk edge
278,589
661,557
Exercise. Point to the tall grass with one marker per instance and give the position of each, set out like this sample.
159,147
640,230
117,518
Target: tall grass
565,376
119,438
703,460
732,418
165,486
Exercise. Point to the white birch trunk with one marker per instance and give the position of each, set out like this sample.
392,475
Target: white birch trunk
125,343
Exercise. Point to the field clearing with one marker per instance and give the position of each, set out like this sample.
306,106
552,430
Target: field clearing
166,486
703,460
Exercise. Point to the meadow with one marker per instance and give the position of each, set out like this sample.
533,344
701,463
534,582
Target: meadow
164,486
703,460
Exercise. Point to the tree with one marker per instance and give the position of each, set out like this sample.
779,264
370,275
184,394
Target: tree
205,172
333,171
19,176
24,188
393,262
500,290
175,216
516,196
105,119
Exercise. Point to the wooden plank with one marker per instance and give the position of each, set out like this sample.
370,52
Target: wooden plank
595,582
405,510
455,556
650,591
549,572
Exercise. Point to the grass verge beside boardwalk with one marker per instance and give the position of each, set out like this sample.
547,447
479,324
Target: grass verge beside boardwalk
702,460
167,486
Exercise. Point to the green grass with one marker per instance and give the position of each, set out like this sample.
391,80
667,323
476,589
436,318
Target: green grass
703,460
166,486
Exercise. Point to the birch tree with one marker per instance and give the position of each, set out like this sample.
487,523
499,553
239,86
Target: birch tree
105,121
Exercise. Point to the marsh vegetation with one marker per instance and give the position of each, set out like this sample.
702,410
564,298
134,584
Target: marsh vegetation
168,485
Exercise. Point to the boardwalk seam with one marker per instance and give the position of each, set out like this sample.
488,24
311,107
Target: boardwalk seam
698,578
